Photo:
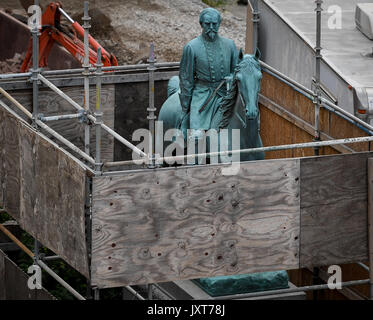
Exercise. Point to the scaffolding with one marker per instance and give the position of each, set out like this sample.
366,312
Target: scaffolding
97,167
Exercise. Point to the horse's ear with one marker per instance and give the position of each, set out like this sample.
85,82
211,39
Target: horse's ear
257,54
240,55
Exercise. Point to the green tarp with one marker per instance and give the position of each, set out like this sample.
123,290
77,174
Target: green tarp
245,283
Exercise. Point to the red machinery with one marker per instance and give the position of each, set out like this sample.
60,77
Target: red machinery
52,32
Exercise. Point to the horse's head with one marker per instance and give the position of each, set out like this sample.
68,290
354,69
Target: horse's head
248,76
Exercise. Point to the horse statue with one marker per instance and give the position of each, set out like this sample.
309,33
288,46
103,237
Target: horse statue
238,109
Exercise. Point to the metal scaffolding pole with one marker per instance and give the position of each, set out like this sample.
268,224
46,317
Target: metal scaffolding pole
136,294
14,76
120,138
60,117
370,225
98,114
86,18
66,142
60,92
317,89
318,105
62,282
92,118
255,20
16,103
35,68
150,291
96,294
251,150
151,109
290,290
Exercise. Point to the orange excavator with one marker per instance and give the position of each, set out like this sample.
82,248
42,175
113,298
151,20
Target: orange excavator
52,32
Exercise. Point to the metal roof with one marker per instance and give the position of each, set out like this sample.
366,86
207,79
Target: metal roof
347,50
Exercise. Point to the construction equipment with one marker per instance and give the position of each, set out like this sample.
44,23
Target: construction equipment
52,32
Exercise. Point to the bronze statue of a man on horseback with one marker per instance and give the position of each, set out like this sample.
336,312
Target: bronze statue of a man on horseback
217,89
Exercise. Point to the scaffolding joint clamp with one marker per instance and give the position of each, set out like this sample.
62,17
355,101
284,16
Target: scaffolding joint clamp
99,168
84,117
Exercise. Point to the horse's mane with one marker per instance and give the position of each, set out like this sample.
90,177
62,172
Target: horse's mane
228,102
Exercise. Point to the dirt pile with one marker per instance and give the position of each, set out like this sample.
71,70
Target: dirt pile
12,65
127,28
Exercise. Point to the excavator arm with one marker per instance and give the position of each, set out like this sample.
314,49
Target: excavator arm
51,32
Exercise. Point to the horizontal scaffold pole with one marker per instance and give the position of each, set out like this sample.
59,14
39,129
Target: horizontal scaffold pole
251,150
291,290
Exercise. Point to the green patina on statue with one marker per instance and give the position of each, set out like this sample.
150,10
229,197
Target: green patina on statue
218,89
206,61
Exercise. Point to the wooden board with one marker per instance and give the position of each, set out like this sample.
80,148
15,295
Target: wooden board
2,276
51,104
44,191
131,103
10,166
334,209
13,286
293,104
194,222
52,199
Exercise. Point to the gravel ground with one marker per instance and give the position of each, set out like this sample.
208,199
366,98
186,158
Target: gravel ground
127,28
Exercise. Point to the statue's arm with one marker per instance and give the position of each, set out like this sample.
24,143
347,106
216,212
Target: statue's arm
186,74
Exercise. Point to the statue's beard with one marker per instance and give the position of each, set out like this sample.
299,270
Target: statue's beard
211,34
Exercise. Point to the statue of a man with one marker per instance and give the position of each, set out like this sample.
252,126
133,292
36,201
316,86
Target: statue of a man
206,62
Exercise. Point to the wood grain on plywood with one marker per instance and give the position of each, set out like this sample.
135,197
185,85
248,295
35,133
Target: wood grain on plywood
333,209
195,222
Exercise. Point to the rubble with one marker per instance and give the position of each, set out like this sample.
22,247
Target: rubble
126,28
12,65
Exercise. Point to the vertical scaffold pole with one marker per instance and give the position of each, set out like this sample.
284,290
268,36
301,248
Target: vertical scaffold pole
98,113
86,18
36,251
370,225
317,103
35,68
96,294
317,90
256,24
151,110
150,291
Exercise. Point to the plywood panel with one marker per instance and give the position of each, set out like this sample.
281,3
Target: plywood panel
11,162
44,190
274,130
340,129
334,209
52,199
2,163
131,103
2,275
301,136
195,222
286,96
